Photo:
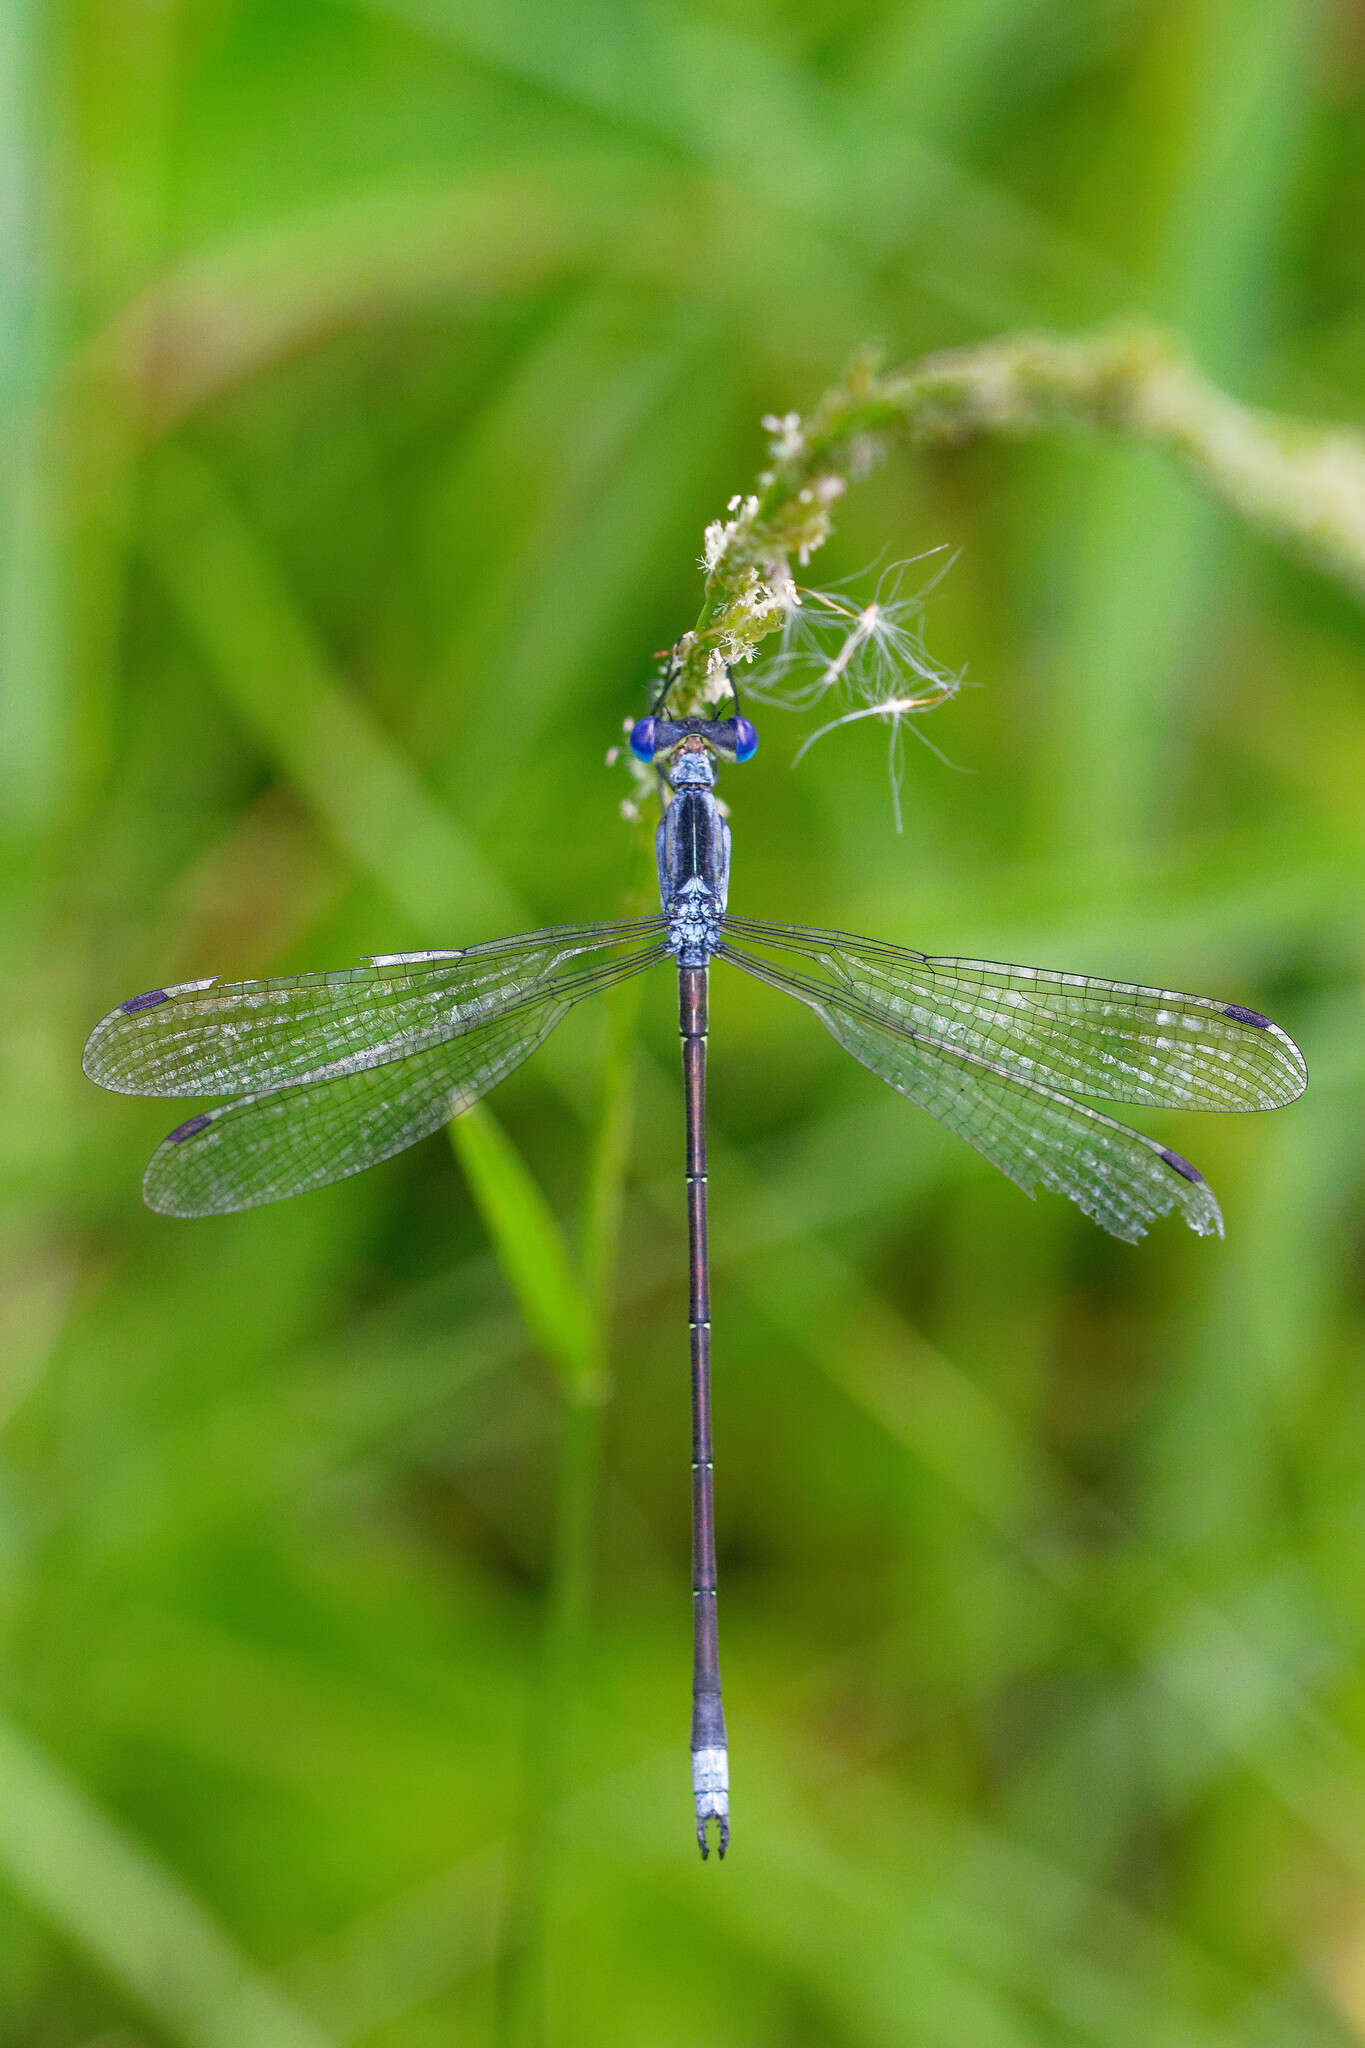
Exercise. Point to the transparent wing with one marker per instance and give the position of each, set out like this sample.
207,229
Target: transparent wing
344,1117
218,1038
1072,1032
1031,1131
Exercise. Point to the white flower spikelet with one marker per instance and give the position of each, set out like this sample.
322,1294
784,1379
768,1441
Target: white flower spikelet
721,532
788,436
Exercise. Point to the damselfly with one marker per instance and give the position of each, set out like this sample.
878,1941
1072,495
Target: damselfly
330,1073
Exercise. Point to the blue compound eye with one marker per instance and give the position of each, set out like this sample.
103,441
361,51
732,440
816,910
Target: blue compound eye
642,739
746,739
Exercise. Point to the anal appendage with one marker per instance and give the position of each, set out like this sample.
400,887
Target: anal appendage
711,1791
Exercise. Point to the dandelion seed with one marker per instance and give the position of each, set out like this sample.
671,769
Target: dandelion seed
864,629
863,653
895,711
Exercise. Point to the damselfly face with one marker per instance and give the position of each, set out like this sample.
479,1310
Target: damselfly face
678,748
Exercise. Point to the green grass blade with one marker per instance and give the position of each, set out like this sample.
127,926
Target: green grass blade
531,1249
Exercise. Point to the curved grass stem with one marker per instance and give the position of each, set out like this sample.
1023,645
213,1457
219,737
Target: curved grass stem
1302,484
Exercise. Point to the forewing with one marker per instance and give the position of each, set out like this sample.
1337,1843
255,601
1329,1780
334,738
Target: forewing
1074,1032
288,1140
284,1141
1032,1132
221,1038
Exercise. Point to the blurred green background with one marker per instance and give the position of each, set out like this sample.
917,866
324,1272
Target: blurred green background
369,370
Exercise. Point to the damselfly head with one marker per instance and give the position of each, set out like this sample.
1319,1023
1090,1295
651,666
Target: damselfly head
655,740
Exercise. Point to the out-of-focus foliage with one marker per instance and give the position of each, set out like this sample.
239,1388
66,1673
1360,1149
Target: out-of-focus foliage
368,372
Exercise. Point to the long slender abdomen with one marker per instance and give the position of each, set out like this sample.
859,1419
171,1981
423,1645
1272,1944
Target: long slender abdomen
710,1757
